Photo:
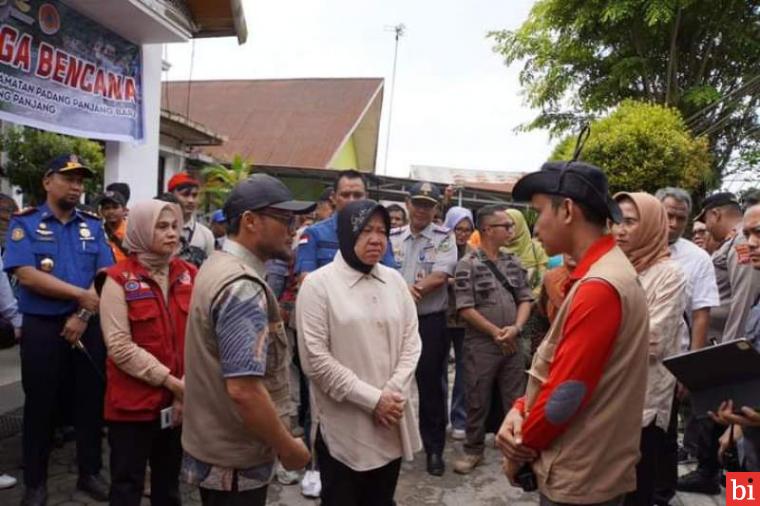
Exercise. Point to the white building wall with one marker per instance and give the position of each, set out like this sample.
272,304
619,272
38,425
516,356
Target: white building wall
137,164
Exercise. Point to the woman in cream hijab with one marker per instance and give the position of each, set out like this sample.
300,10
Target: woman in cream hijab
143,307
643,237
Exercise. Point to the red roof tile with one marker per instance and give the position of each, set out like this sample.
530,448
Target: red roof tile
279,122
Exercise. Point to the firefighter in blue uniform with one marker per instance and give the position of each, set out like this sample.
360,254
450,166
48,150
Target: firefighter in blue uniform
55,251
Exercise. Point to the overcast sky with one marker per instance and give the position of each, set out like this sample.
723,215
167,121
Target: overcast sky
456,104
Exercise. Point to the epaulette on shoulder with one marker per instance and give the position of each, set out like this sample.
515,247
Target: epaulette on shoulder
440,229
397,231
90,214
25,211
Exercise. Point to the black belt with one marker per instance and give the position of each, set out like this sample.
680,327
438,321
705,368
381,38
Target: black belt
443,312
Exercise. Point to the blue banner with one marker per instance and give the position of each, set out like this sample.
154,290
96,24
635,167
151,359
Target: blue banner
63,72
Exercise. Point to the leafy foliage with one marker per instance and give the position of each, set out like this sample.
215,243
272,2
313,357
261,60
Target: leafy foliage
644,147
29,150
581,58
221,179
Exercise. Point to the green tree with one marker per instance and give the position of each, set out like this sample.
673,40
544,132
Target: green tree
644,147
29,150
220,180
582,57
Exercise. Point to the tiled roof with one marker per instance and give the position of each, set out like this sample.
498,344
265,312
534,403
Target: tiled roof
278,122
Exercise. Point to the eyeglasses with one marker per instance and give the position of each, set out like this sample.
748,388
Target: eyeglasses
505,226
458,230
287,220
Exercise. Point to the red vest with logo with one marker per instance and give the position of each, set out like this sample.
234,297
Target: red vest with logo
158,327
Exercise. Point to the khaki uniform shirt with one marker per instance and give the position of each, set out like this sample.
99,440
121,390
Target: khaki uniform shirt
477,287
432,250
739,286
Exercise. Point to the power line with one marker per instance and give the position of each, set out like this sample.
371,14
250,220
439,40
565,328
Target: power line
693,120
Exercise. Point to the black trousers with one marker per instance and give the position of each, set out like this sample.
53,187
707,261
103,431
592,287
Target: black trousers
342,486
652,438
255,497
667,460
545,501
707,435
48,365
430,369
133,445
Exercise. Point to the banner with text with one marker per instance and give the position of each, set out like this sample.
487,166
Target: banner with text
63,72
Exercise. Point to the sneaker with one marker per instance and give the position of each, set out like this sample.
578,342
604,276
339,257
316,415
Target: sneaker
467,463
311,485
7,481
458,435
698,482
285,477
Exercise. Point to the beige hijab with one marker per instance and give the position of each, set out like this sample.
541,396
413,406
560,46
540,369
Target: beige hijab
141,228
649,243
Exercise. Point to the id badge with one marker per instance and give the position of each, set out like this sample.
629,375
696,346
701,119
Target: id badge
166,417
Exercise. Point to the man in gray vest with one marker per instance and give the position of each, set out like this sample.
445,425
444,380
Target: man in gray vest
236,354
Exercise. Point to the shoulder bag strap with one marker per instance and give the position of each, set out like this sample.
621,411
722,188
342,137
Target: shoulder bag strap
498,274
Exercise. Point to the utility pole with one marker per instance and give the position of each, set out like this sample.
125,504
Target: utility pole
399,30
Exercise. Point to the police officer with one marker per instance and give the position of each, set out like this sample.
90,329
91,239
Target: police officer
426,254
493,297
55,250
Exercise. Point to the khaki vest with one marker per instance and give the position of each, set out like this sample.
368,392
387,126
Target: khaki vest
594,460
213,431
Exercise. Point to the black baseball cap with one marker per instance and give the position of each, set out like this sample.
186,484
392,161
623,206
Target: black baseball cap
111,196
716,200
68,163
260,191
425,191
580,181
122,188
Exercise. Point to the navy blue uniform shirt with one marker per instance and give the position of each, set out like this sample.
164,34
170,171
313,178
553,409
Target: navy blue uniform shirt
77,250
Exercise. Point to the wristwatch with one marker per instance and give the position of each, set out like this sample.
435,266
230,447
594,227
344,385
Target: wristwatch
519,330
84,314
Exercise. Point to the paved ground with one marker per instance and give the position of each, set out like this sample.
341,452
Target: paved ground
485,486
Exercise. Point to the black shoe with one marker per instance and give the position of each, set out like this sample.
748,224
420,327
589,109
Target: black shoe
698,482
35,496
435,464
684,457
95,486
